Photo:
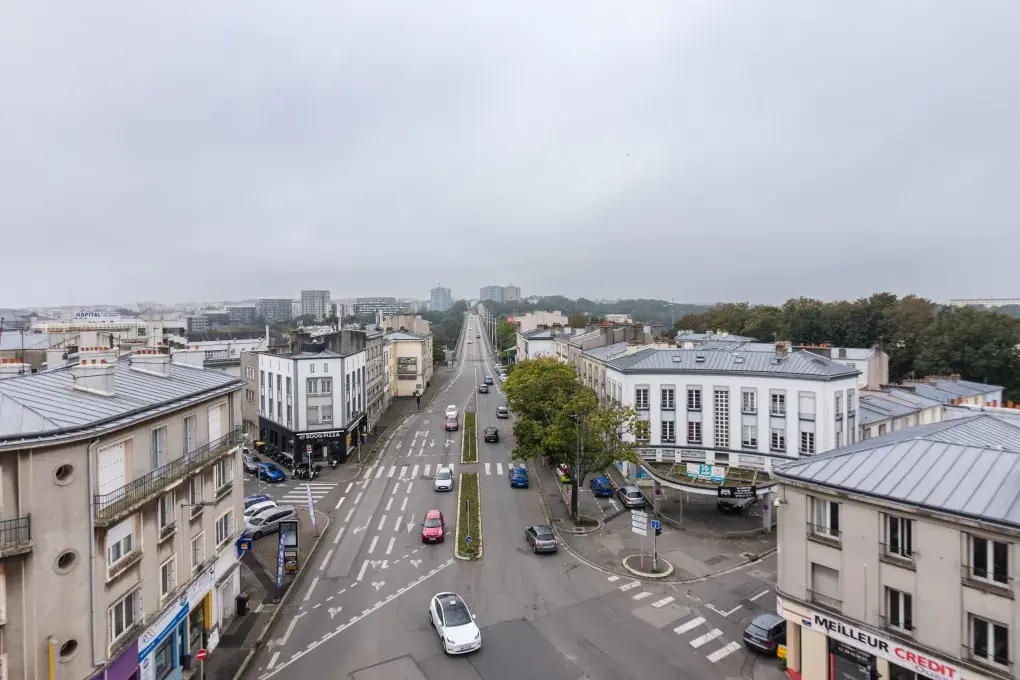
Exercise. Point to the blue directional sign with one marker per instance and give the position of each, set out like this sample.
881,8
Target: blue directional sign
656,524
467,539
243,545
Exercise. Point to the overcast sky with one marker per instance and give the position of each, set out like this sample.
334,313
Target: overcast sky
697,150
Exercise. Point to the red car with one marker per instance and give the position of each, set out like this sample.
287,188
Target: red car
433,529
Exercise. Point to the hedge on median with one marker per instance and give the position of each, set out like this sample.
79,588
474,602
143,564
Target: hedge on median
469,516
469,446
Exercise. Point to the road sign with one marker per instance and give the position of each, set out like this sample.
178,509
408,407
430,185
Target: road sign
467,539
639,532
639,523
202,654
656,524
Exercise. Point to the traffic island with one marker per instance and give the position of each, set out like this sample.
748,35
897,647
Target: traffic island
469,518
645,566
469,445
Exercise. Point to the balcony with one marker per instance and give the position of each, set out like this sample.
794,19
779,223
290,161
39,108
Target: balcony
121,502
825,602
823,534
15,536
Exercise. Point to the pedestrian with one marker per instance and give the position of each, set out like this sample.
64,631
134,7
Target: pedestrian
375,430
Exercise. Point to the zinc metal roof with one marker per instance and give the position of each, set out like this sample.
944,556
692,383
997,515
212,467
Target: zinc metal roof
795,364
603,353
404,335
876,409
16,340
44,406
968,467
909,397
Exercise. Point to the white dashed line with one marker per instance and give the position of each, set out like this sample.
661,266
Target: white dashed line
393,469
378,473
382,521
311,587
613,578
349,487
627,586
688,626
724,652
403,472
364,568
400,520
325,560
642,595
403,506
371,547
389,547
706,638
662,603
414,471
427,468
499,469
340,502
349,514
389,504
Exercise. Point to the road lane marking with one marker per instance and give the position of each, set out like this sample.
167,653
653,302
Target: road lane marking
348,489
761,594
338,535
325,560
627,586
311,587
409,487
368,472
364,568
389,503
427,468
499,469
340,502
414,442
724,614
488,469
382,521
393,469
403,506
642,595
688,626
378,473
358,497
403,472
272,661
396,487
400,520
349,513
724,652
706,638
371,548
389,547
414,471
662,603
612,578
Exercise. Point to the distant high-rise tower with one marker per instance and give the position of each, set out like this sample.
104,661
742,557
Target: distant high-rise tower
492,293
441,299
315,303
511,293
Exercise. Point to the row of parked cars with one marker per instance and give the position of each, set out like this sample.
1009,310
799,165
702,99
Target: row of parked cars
262,515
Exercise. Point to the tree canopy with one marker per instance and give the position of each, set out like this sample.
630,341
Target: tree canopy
643,310
446,326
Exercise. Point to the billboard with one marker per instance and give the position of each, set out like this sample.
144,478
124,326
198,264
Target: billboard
407,366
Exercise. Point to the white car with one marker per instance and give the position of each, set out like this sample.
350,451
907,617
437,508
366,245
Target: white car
253,510
454,623
451,411
444,479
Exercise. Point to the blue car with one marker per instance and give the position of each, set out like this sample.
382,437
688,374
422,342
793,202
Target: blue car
518,478
601,486
268,472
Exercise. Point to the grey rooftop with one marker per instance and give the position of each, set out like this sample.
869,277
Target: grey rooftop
679,361
404,335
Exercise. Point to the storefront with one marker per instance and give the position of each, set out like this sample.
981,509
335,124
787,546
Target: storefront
178,632
319,445
821,645
124,667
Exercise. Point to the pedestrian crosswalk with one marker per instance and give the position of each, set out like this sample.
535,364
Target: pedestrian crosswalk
299,494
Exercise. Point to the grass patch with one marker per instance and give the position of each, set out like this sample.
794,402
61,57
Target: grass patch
469,516
469,445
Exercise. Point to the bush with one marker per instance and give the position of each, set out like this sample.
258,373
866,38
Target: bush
469,524
469,445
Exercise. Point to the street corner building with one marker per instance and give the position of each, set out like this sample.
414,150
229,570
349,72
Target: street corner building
898,555
410,362
119,515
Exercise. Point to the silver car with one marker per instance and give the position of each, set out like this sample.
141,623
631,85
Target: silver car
268,521
631,497
444,479
541,538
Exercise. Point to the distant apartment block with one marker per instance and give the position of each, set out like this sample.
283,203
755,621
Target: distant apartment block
242,315
511,293
275,310
440,299
377,305
985,302
315,303
500,294
198,323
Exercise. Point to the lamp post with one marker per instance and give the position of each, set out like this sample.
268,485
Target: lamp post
579,422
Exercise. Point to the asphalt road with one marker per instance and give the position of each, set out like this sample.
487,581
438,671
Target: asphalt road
360,610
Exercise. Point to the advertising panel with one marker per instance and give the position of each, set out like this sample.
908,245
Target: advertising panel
407,367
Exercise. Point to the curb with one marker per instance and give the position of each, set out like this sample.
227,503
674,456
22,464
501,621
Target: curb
647,574
464,440
456,537
260,640
577,531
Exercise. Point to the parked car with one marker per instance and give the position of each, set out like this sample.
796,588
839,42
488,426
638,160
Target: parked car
250,462
491,434
454,623
478,335
452,424
433,529
766,632
268,520
451,411
253,500
483,389
600,486
469,341
518,476
488,380
268,472
255,509
502,412
444,479
541,538
734,505
631,497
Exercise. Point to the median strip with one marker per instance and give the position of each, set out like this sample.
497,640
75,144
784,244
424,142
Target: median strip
469,518
469,445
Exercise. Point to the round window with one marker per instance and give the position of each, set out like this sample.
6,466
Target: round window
66,561
63,473
68,650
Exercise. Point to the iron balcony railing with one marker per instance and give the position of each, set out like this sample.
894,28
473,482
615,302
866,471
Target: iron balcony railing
825,601
108,506
15,533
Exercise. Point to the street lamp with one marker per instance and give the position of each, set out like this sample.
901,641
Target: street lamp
579,422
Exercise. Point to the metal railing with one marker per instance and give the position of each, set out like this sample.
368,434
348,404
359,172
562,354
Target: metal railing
898,552
15,532
904,624
117,501
823,532
825,601
994,575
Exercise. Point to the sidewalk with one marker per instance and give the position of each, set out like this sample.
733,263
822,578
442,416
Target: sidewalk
244,635
692,556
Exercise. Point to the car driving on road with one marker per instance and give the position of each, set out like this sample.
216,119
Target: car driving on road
631,497
433,529
488,380
502,412
452,424
483,389
518,476
541,538
444,479
451,411
600,487
491,434
455,624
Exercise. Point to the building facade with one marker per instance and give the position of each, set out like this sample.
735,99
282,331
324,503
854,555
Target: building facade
379,305
120,512
511,293
375,374
440,299
250,395
315,303
540,342
242,315
275,310
897,556
896,409
491,294
410,362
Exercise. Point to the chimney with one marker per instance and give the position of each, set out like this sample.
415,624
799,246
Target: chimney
93,371
189,356
10,368
782,349
151,362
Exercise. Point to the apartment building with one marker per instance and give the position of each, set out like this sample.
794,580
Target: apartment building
491,294
872,362
953,389
713,406
540,342
274,310
312,400
410,362
250,395
380,305
118,515
242,315
440,299
316,303
376,395
897,555
894,409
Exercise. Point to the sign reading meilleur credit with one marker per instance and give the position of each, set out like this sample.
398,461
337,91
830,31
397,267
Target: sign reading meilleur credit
901,655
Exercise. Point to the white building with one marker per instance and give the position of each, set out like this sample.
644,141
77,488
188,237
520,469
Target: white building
718,407
540,319
312,402
540,342
410,362
896,409
315,303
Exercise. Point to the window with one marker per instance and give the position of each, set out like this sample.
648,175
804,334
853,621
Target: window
270,382
668,432
262,378
642,431
325,368
164,658
806,405
748,401
989,560
190,434
668,397
165,510
327,414
326,385
693,433
158,447
778,404
693,399
224,527
313,386
839,439
249,372
223,472
807,442
271,402
722,418
313,415
288,386
825,515
311,368
198,551
124,614
778,439
120,547
168,576
839,405
641,398
899,537
882,429
195,491
749,436
899,609
989,641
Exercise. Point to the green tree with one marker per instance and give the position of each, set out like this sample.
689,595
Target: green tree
908,330
506,334
978,344
536,391
764,322
577,320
